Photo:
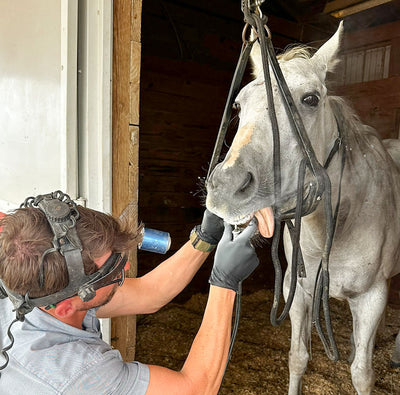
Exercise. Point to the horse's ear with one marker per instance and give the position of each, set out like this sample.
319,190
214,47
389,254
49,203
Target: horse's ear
255,57
326,58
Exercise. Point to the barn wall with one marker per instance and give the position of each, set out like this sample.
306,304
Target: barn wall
371,76
186,72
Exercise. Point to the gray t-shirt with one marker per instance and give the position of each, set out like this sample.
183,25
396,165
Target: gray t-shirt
50,357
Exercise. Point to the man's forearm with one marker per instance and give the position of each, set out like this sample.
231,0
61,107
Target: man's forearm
208,355
204,367
170,277
149,293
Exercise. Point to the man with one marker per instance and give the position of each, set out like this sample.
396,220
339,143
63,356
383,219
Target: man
58,348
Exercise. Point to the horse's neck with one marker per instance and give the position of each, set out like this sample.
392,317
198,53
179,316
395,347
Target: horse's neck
367,170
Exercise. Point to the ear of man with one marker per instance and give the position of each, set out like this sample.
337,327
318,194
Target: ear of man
65,309
69,311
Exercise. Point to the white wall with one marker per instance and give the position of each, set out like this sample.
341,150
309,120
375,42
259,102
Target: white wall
38,133
94,103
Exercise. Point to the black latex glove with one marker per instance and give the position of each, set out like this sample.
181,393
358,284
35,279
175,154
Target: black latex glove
211,228
235,259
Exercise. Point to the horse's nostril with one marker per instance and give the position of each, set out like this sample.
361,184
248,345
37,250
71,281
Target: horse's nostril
246,183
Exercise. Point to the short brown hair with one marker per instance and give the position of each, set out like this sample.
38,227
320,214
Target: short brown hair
26,234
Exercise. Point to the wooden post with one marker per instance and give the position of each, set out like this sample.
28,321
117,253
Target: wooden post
126,83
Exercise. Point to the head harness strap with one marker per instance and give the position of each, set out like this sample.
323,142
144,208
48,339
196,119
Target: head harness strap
61,213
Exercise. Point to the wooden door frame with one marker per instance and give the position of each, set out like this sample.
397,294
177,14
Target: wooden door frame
127,15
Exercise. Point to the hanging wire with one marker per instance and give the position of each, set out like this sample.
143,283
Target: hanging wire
5,349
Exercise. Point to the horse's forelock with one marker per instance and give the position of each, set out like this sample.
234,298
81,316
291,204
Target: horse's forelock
297,51
289,53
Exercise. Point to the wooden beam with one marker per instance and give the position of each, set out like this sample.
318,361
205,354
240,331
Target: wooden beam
126,76
341,8
339,5
136,48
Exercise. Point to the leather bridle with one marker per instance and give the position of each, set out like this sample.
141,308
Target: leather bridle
318,189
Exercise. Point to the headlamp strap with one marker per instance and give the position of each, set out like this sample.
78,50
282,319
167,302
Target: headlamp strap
61,214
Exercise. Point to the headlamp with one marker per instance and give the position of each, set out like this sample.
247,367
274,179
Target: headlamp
106,275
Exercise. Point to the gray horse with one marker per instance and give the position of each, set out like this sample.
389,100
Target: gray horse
366,245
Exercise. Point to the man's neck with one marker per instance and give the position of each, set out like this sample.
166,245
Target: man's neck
74,319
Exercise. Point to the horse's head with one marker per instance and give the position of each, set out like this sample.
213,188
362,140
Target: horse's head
243,184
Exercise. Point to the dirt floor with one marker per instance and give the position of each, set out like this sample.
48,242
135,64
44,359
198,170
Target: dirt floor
259,362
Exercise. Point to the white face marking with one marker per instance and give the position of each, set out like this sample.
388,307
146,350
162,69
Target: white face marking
242,138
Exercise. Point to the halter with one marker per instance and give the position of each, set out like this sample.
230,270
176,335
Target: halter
321,184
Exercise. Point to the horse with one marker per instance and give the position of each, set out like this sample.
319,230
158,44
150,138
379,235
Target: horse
366,246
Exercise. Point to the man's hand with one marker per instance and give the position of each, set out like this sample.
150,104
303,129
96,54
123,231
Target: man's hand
235,259
211,228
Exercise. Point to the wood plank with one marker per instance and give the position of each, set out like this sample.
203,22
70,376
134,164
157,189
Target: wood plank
154,121
189,193
229,11
134,79
377,103
394,67
135,60
171,215
168,185
121,101
125,150
201,72
369,37
388,87
136,20
338,5
133,186
161,172
171,199
175,103
164,124
185,151
155,81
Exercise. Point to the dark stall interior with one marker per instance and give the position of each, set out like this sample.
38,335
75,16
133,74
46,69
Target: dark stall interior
189,52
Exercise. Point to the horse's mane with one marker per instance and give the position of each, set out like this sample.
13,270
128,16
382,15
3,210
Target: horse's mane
296,51
345,115
353,131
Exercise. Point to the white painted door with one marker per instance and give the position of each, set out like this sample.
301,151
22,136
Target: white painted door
38,114
55,100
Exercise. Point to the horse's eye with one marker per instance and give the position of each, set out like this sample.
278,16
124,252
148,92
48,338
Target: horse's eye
311,100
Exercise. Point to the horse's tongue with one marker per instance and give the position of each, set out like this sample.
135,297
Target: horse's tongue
265,218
